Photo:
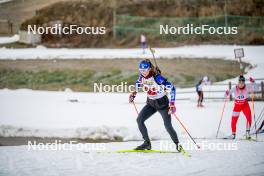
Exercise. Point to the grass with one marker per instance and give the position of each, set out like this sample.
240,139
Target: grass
100,13
50,80
80,75
16,45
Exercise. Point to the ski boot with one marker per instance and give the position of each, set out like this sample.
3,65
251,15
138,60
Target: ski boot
178,147
233,136
248,137
145,146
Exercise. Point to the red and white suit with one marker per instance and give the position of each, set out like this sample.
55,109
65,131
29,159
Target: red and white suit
241,104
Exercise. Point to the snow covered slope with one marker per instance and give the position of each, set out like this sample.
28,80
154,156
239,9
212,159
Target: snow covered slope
101,115
253,54
98,115
106,116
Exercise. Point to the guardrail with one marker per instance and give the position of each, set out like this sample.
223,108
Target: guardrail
258,95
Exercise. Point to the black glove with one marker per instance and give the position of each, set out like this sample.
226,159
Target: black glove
132,97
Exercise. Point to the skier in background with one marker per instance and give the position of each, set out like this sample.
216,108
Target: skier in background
199,90
155,85
240,93
143,42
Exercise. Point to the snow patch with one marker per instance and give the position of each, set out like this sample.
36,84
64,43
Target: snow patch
4,1
6,40
41,47
102,132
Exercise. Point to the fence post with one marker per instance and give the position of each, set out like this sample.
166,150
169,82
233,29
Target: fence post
114,19
11,28
262,90
230,86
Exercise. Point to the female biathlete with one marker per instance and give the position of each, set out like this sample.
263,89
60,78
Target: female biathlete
240,93
151,81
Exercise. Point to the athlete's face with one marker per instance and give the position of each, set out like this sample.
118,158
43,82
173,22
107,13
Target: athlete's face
145,72
241,84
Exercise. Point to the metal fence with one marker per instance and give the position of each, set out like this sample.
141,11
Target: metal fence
218,91
133,25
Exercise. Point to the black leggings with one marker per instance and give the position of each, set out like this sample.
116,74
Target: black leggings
200,94
162,106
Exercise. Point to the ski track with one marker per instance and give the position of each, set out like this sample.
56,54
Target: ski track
244,161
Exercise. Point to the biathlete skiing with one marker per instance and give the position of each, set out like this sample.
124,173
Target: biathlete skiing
143,42
151,81
240,93
199,90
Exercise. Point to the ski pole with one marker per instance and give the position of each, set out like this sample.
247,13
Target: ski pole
222,114
154,58
135,107
260,116
186,130
152,52
253,107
